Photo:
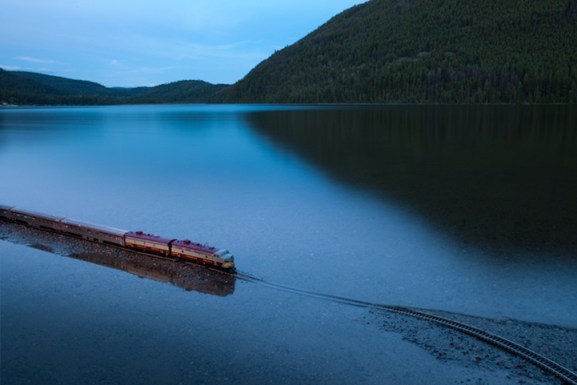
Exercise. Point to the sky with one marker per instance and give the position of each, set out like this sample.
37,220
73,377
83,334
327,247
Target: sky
129,43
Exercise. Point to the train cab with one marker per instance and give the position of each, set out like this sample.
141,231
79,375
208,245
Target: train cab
227,258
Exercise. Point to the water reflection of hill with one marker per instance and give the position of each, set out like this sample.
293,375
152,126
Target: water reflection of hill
494,176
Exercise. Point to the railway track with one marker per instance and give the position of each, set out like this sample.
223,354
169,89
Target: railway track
559,371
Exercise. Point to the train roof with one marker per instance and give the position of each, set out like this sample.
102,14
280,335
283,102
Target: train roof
149,237
105,229
35,214
194,246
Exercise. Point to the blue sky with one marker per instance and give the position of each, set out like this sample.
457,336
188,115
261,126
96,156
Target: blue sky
143,43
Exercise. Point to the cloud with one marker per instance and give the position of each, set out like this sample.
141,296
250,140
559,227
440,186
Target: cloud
11,68
31,59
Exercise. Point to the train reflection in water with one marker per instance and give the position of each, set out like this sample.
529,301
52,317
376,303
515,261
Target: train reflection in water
189,276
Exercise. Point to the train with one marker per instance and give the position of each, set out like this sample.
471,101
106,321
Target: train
134,240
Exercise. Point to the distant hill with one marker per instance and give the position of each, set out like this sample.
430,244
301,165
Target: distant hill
18,87
14,88
66,86
184,91
426,51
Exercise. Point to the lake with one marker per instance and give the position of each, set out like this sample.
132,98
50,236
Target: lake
466,209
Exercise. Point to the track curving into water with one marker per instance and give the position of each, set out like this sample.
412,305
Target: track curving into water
559,371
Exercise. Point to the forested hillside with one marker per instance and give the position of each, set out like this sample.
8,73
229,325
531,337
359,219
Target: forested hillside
34,88
382,51
427,51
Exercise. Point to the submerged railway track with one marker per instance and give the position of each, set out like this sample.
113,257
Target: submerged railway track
549,366
564,374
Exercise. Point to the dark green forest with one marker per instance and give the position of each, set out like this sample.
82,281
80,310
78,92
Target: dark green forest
39,89
427,51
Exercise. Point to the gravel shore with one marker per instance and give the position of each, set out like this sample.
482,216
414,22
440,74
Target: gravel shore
559,344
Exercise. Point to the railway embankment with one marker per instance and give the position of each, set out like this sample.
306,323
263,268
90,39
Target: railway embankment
557,343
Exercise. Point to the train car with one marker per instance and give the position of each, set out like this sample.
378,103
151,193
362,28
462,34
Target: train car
149,243
5,211
92,232
198,253
136,240
35,219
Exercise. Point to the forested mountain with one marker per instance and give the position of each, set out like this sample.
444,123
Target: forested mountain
34,88
426,51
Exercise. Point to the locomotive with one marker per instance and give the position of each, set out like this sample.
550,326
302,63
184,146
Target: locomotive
135,240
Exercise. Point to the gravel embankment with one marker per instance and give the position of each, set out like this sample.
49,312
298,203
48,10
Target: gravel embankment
559,344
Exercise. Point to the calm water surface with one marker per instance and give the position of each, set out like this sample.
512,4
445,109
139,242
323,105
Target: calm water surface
465,209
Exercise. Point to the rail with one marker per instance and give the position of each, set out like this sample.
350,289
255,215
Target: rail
559,371
528,355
